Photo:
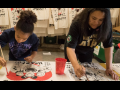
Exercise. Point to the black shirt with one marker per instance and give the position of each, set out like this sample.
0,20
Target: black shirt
18,51
81,44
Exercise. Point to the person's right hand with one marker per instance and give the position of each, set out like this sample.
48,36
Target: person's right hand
2,62
79,70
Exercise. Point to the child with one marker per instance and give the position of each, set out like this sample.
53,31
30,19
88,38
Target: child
22,41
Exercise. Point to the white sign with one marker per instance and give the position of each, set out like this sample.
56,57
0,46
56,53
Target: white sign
96,50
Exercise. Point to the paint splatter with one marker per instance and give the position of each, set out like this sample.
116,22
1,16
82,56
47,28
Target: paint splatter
23,71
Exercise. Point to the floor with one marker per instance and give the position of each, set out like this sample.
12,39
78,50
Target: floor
55,53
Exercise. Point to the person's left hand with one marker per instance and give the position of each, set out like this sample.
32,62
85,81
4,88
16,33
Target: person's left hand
112,73
29,59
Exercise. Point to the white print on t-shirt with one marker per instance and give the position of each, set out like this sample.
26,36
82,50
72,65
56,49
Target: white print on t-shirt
60,17
89,41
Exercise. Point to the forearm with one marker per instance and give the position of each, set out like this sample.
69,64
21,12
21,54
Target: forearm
33,54
108,57
72,56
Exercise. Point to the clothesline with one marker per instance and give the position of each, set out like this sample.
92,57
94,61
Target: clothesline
51,21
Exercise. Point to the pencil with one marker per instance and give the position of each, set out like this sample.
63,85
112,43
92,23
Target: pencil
3,58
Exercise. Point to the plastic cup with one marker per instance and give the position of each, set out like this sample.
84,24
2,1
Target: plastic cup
60,65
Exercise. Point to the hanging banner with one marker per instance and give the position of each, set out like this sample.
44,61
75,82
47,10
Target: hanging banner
4,16
42,13
60,17
114,14
14,15
73,12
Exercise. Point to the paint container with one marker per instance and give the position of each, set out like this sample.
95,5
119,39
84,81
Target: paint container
0,66
60,65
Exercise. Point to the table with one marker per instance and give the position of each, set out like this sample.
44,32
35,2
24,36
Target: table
45,71
41,71
94,72
104,65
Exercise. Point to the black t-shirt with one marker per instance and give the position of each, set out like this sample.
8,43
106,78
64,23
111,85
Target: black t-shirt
83,44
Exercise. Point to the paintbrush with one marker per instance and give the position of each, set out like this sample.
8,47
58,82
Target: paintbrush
3,58
85,72
86,77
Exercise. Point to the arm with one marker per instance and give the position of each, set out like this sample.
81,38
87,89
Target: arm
72,56
78,69
71,43
33,54
4,39
108,57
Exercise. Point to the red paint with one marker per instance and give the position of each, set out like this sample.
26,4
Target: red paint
118,45
59,13
72,8
11,9
36,64
45,77
16,8
12,76
23,8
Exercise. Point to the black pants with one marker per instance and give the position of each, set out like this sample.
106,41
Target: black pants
82,57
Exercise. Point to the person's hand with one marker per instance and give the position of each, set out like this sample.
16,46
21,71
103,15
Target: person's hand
2,62
113,74
29,59
79,70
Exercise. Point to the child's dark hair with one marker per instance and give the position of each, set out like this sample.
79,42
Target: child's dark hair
26,20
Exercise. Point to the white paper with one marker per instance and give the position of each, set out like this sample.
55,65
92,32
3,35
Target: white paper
116,67
96,50
94,72
42,69
47,53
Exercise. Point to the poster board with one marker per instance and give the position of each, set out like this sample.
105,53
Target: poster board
39,71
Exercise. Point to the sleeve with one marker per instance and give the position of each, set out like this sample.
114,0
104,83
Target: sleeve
73,34
35,45
108,42
4,38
